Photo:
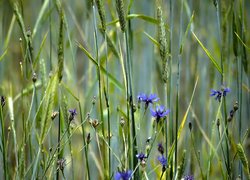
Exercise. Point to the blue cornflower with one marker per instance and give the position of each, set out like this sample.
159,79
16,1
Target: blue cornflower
147,99
163,162
219,94
141,156
126,175
72,114
188,177
159,112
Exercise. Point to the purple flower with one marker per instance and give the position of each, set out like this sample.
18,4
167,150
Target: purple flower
163,162
219,94
159,112
126,175
188,177
147,99
72,114
141,156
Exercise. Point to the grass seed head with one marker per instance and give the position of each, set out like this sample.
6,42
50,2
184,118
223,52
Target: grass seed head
121,14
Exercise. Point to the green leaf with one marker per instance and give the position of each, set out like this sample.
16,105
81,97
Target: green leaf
216,65
40,15
2,56
186,32
152,39
139,16
48,106
40,49
111,77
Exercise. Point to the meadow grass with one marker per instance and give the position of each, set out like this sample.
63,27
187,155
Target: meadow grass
124,89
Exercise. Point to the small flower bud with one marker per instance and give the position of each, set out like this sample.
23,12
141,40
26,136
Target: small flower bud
230,116
34,77
28,33
94,100
94,123
218,122
160,148
54,115
190,126
122,122
148,140
88,138
88,116
236,106
72,114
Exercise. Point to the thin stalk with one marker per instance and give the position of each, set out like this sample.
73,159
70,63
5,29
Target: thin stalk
50,39
125,149
177,94
11,111
222,49
196,155
84,142
169,93
106,94
5,167
227,139
98,69
130,100
241,74
221,145
58,141
98,146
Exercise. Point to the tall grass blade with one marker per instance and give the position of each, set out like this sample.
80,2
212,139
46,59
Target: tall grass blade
40,16
48,106
216,65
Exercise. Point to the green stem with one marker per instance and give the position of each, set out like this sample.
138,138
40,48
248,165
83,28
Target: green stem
171,131
98,69
130,100
106,93
84,142
5,167
197,157
58,141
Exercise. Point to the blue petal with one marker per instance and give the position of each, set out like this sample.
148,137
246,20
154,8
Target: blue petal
118,176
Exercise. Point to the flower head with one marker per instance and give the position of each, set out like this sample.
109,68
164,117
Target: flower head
218,94
125,175
163,162
141,156
159,112
148,99
72,114
188,177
